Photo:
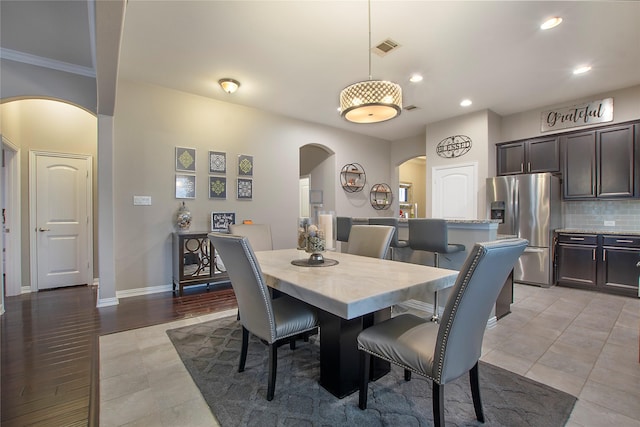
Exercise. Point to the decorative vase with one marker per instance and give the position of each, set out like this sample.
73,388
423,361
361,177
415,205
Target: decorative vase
183,218
311,240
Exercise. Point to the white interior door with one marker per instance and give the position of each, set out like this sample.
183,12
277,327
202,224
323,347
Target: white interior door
61,219
455,190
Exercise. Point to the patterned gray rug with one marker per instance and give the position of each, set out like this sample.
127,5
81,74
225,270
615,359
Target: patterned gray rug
211,351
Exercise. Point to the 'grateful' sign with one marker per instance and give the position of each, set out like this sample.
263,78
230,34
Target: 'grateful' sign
577,115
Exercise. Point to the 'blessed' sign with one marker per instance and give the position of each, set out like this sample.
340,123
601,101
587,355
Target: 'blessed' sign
577,115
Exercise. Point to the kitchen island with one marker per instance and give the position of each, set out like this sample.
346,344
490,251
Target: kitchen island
465,232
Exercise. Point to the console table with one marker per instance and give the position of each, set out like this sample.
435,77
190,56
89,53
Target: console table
194,261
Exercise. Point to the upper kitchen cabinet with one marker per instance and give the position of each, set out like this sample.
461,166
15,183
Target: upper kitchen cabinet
530,156
600,163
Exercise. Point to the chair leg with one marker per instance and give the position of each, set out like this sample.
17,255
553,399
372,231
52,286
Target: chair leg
438,404
435,317
365,363
407,375
475,392
245,347
273,364
292,343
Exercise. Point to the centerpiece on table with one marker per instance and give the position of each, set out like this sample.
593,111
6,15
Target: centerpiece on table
312,240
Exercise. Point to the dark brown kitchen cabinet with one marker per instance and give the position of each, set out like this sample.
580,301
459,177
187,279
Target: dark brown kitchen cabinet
605,263
577,260
600,163
620,255
530,156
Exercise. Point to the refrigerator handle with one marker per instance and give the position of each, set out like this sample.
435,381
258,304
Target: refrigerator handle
516,210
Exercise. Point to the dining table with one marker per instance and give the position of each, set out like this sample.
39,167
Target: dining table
350,293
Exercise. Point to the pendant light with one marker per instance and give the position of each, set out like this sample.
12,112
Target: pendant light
371,101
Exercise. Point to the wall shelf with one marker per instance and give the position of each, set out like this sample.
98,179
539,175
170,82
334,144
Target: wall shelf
353,177
381,196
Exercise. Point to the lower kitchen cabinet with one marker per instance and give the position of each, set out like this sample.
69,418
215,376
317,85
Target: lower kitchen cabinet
620,255
577,260
599,262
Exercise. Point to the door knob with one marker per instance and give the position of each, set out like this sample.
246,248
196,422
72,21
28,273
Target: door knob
43,229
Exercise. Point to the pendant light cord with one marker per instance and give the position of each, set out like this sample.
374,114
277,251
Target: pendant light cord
369,47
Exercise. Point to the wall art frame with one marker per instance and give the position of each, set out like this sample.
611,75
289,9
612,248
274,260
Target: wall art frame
217,162
185,159
185,186
244,189
245,165
217,187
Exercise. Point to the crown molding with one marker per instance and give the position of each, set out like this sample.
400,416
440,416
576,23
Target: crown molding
40,61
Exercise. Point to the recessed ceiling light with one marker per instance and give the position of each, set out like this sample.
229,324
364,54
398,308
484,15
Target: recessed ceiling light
415,78
582,69
551,23
465,103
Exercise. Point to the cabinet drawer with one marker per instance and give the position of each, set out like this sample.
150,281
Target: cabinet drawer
621,241
578,239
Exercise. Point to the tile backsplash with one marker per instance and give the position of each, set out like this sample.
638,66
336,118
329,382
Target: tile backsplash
593,214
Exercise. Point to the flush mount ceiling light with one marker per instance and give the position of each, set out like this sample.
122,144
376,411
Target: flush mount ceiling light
582,69
371,101
551,23
229,85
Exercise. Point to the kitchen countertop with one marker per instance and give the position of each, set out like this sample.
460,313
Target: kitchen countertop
598,231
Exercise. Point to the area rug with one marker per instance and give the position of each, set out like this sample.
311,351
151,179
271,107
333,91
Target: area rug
211,351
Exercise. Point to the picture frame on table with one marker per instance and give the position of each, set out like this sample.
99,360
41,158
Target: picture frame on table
220,221
185,159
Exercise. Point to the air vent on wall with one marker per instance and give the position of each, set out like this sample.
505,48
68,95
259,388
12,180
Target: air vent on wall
411,107
385,47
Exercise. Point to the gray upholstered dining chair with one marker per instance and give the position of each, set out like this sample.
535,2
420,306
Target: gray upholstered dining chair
370,240
259,235
393,222
443,352
274,321
343,228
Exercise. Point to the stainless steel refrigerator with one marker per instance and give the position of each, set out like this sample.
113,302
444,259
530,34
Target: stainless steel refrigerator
528,206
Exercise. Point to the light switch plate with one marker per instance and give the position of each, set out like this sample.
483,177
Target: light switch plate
609,223
142,200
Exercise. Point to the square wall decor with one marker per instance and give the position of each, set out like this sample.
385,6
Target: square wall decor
245,165
185,159
245,189
185,187
217,187
217,162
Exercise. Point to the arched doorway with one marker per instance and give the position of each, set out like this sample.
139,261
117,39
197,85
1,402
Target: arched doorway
318,177
47,126
412,191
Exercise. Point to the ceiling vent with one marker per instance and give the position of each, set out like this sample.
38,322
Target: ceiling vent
385,47
411,107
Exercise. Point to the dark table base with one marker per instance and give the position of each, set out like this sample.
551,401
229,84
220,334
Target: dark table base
339,355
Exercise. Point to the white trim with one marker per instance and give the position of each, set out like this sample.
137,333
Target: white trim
144,291
33,259
25,290
13,238
40,61
107,302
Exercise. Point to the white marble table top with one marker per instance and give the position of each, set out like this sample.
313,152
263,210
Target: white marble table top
356,286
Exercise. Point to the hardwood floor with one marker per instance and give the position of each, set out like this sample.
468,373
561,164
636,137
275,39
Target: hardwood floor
49,350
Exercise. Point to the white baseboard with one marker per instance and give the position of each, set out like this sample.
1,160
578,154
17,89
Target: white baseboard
25,289
143,291
107,302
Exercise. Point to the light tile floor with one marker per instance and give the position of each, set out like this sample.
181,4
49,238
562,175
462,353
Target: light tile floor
581,342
